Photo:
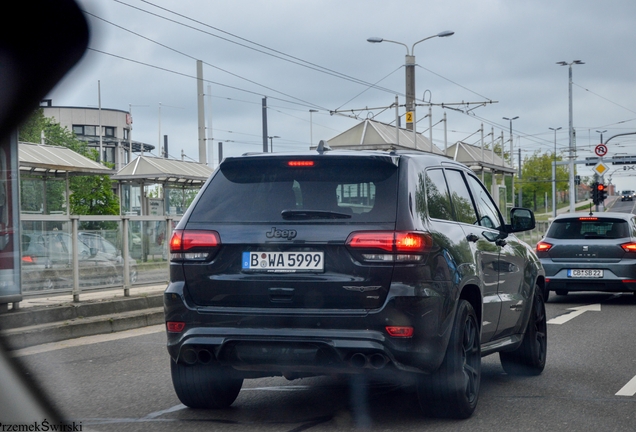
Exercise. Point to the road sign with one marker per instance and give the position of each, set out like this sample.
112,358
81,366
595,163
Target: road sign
600,150
600,168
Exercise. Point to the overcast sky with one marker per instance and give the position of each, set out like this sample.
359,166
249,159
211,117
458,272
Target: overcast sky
305,55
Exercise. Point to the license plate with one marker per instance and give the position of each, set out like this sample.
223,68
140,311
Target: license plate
585,273
284,262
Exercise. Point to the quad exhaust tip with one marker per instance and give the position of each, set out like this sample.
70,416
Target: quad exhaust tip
373,361
191,356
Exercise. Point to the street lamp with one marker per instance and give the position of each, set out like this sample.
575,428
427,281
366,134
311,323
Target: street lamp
410,74
601,132
311,126
271,143
571,133
554,212
511,163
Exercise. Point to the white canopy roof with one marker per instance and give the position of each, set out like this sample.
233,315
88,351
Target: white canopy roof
55,160
475,157
373,135
160,170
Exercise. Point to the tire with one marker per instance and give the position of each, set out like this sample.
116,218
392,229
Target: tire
453,390
546,293
204,386
561,292
529,358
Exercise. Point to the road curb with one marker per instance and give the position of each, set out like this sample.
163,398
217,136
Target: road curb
24,337
45,324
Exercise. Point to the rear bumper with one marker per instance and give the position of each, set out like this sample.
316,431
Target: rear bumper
275,342
617,277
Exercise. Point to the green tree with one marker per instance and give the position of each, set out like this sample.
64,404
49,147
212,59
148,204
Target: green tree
91,195
536,179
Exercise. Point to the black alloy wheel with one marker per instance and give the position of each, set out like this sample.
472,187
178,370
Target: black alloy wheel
530,357
453,390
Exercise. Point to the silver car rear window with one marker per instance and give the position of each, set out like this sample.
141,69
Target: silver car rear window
588,228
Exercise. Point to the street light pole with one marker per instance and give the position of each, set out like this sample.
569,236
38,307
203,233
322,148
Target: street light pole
554,210
601,132
311,127
571,133
271,143
409,66
511,159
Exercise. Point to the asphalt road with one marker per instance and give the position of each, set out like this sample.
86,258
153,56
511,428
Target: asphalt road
121,382
623,206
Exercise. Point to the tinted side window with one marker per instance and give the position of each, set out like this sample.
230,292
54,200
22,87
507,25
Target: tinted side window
460,196
488,214
437,196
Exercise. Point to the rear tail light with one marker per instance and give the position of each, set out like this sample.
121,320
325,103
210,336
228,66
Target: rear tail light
175,326
629,247
28,259
400,331
193,245
402,246
543,246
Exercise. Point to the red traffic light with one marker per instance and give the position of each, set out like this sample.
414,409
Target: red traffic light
600,187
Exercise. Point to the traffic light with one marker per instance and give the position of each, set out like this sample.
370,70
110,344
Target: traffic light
595,194
602,192
599,193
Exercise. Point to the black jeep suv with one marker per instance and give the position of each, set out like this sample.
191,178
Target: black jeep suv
385,263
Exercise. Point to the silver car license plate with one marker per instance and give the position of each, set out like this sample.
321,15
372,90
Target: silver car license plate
283,262
585,273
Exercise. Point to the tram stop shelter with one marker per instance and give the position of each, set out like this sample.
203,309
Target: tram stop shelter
374,135
41,164
179,180
482,161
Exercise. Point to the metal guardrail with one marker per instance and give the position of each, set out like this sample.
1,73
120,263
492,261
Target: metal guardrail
64,254
534,236
71,255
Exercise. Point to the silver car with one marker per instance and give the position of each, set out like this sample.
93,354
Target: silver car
583,252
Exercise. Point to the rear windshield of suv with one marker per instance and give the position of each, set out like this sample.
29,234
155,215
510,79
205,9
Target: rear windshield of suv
327,189
588,228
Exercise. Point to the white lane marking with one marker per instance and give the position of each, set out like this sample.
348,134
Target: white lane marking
628,389
579,310
166,411
88,340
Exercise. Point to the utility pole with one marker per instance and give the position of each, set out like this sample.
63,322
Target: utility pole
554,203
264,125
511,157
571,131
201,113
520,182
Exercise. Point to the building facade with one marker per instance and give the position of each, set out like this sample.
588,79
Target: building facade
116,144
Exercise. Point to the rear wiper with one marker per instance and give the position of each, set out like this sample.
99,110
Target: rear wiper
312,214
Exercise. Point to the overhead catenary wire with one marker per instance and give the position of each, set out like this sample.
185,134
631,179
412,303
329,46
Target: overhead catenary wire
277,54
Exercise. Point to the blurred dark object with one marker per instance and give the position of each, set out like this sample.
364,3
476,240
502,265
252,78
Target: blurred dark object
52,38
36,55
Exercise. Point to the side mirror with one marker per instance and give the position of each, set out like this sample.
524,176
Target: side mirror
93,251
521,219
